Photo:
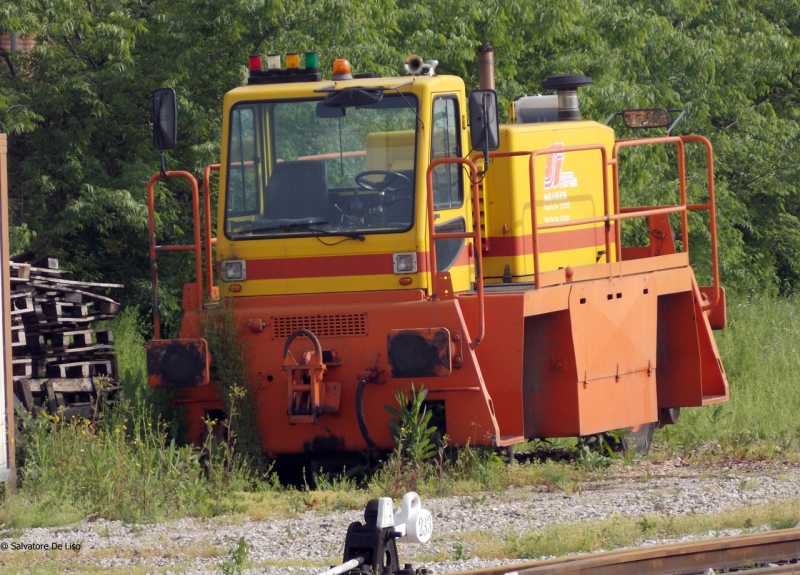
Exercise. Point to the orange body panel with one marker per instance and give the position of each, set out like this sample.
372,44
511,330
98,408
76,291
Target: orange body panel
361,349
574,358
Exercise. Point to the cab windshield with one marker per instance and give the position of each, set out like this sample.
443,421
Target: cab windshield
298,168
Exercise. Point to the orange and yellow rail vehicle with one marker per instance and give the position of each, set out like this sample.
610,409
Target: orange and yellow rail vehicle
375,233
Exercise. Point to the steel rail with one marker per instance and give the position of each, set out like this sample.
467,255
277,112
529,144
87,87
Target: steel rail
673,558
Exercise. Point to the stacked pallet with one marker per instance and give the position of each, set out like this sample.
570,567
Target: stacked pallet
60,362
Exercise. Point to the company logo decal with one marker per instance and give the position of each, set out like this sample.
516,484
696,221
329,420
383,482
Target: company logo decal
554,176
556,201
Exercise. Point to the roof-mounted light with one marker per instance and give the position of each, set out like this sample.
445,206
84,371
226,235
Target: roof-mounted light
293,72
254,63
312,61
342,70
273,61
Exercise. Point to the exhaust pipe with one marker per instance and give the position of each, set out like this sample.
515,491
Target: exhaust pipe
486,66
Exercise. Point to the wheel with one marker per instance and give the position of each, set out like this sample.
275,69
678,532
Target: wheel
639,437
668,416
391,182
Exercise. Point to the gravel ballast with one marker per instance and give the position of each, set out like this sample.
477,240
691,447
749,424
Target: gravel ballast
307,542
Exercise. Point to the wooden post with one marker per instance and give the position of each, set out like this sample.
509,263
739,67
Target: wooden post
7,464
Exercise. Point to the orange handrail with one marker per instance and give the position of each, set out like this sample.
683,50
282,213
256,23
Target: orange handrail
619,213
712,210
627,143
475,234
209,241
154,248
711,206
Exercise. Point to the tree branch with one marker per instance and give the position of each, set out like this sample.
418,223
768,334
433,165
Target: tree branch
7,58
281,23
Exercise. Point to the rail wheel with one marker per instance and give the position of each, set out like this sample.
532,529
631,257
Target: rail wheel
639,437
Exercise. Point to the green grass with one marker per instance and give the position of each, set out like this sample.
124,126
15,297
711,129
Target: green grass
759,351
125,465
128,466
121,467
558,539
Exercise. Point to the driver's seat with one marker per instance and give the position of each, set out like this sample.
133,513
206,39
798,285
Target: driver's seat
297,190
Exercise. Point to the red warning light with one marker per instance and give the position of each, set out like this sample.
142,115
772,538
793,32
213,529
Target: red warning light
254,63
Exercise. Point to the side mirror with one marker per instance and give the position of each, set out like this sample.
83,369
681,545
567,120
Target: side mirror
324,111
165,119
484,129
653,118
353,97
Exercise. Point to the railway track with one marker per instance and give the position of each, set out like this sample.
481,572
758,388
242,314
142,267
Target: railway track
749,553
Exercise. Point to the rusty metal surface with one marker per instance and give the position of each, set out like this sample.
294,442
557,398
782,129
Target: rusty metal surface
421,352
178,363
753,549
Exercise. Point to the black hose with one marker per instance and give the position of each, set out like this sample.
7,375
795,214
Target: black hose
309,334
362,424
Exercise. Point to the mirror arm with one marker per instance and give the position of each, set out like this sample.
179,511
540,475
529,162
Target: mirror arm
676,120
485,136
611,117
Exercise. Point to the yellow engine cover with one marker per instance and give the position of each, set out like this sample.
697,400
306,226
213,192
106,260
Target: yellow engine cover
569,187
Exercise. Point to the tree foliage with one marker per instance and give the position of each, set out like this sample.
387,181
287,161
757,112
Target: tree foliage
77,106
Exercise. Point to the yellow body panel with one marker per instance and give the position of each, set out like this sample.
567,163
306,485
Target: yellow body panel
569,187
306,264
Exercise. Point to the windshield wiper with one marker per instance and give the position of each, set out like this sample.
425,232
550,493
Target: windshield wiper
308,226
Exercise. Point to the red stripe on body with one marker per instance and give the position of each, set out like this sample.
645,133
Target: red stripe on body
326,266
500,246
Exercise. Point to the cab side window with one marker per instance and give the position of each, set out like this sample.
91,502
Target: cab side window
243,162
447,183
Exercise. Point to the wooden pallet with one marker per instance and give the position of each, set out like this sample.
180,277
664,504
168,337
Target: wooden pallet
64,396
57,354
81,369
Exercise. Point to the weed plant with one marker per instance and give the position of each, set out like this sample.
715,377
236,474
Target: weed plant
129,331
229,371
237,557
128,463
419,464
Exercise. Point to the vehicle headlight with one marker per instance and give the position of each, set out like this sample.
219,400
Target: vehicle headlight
234,270
405,263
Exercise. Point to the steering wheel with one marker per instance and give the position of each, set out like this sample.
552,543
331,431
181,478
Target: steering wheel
392,181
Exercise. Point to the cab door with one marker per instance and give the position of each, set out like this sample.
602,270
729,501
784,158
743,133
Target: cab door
452,207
